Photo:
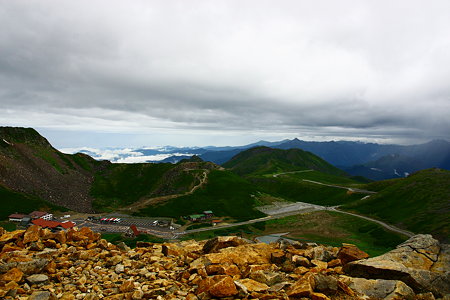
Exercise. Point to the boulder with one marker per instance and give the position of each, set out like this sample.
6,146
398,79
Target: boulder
325,284
40,295
220,242
32,234
319,296
32,266
37,278
411,262
11,236
242,256
127,286
349,253
303,287
252,285
379,288
172,249
267,277
218,286
301,261
223,270
84,234
13,274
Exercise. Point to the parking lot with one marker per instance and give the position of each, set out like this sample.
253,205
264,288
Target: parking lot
111,224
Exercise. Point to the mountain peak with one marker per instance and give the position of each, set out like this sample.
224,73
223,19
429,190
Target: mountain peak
11,135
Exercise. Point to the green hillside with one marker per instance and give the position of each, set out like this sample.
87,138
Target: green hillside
295,190
31,166
123,184
13,202
419,203
226,194
265,160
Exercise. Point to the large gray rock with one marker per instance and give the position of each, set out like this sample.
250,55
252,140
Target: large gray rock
40,295
37,278
418,262
379,288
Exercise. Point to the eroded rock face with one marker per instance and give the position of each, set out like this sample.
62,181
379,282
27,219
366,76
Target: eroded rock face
79,265
418,262
379,288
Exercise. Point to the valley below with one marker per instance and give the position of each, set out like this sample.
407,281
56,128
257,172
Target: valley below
250,193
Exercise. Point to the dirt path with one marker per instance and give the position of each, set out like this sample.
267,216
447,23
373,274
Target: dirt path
150,201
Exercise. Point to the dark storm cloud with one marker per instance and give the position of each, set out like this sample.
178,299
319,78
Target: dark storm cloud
325,69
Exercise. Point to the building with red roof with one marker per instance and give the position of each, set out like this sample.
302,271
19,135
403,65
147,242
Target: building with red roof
53,224
41,214
16,217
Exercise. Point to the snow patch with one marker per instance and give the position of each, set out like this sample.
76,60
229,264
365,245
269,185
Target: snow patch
7,142
376,169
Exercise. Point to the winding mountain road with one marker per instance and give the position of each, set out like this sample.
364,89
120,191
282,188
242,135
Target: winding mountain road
302,171
385,225
341,187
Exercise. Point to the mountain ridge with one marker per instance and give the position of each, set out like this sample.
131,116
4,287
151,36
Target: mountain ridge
266,160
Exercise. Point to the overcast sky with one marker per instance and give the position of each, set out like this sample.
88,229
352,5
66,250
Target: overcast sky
133,73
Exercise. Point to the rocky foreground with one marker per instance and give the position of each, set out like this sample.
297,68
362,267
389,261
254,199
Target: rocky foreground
39,264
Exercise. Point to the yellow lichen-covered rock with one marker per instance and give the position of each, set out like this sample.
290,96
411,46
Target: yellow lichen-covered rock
218,286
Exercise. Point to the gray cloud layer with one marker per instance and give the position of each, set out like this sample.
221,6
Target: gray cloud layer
375,69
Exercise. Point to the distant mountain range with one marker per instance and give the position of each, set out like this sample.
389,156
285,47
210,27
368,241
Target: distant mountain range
373,161
34,175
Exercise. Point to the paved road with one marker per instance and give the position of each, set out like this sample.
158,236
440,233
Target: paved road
279,216
342,187
385,225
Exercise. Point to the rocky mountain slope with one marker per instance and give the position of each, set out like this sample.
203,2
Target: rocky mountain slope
31,166
77,264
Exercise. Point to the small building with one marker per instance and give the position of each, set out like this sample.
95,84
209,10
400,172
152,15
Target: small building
197,217
25,221
133,231
208,213
16,217
214,222
67,224
53,224
41,215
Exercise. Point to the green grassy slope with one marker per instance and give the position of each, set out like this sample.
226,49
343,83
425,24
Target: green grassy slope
264,160
323,227
123,184
226,194
420,202
295,190
325,178
13,202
